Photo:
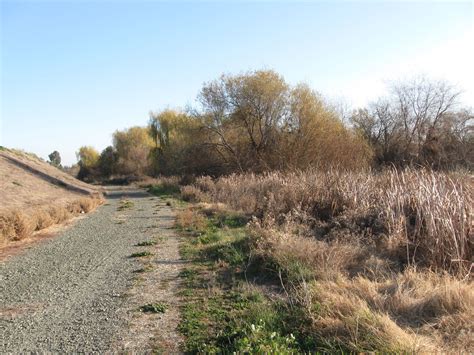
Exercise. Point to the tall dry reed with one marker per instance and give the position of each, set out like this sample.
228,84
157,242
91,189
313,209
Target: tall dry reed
425,217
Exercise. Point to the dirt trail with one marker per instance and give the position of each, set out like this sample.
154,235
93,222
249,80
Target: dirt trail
78,292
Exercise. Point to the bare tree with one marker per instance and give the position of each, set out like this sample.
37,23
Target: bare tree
419,123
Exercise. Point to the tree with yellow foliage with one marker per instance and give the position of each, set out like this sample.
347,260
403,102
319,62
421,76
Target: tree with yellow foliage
88,159
133,147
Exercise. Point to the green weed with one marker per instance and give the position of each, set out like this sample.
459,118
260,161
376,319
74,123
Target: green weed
222,314
125,204
141,254
164,190
154,308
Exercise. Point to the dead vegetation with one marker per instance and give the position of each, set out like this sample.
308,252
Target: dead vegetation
17,225
419,217
372,261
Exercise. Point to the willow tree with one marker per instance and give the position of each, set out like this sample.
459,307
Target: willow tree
133,147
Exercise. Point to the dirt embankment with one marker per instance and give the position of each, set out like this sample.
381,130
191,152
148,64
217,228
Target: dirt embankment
35,195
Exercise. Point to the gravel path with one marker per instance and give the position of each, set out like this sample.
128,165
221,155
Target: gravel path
71,294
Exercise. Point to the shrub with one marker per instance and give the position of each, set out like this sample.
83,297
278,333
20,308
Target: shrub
190,219
15,225
192,194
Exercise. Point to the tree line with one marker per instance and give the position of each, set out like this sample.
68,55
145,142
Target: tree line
257,122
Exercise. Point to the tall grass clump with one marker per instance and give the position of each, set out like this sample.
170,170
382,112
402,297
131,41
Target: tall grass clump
432,212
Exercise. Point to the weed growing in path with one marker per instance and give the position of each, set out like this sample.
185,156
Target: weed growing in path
146,243
159,307
141,254
125,204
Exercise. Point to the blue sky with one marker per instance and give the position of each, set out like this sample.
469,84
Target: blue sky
72,72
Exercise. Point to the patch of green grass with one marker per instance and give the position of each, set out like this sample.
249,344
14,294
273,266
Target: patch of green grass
164,190
234,251
159,307
141,254
240,321
209,237
222,313
188,273
230,220
160,239
146,243
125,204
194,327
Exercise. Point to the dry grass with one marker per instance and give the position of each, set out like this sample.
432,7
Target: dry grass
361,301
189,219
192,194
376,262
9,172
418,216
17,225
411,311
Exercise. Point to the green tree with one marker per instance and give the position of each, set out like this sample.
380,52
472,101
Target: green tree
179,143
55,158
108,161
